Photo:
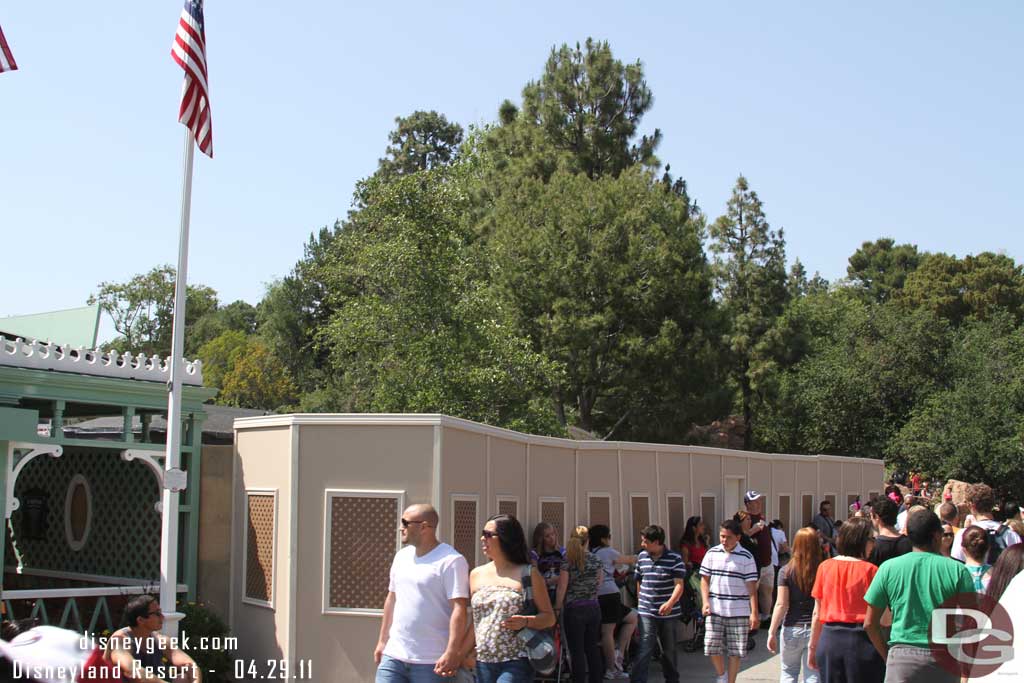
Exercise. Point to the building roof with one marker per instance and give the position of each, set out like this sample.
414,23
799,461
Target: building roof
76,327
218,427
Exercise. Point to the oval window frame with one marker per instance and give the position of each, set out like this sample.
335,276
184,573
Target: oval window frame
77,480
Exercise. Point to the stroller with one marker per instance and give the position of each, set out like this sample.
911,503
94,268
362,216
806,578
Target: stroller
693,612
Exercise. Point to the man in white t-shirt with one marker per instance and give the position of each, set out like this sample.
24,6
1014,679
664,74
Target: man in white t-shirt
982,500
425,611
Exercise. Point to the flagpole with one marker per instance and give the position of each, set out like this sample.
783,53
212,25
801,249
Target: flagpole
172,457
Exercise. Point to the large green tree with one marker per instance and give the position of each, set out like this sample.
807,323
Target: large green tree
880,269
582,116
973,428
750,275
142,310
857,371
608,279
419,142
413,327
974,287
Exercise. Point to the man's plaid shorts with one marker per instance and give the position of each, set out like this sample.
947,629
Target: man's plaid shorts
726,636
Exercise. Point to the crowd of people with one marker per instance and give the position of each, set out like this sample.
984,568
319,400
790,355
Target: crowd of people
846,601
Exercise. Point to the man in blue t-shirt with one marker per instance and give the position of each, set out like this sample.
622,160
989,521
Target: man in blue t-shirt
660,575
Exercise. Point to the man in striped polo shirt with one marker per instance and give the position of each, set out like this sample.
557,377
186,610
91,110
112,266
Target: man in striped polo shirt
660,575
728,584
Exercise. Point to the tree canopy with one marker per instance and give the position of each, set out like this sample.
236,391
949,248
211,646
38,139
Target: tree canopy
544,271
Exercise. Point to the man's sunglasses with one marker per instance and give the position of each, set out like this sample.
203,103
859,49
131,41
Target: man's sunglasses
407,522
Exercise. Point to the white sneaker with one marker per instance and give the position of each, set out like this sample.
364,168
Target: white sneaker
615,675
724,678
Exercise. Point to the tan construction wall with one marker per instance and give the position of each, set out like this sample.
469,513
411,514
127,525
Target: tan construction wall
340,646
263,462
438,459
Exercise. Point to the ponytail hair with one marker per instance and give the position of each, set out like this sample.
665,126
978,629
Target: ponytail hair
576,550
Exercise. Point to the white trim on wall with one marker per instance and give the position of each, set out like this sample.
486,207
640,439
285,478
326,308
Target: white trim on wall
478,524
814,506
293,546
668,516
503,498
778,507
599,494
566,530
647,497
329,494
273,550
430,420
700,511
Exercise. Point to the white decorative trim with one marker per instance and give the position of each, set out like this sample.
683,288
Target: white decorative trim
273,551
472,498
75,481
149,459
293,546
432,420
668,520
92,578
36,355
814,506
700,511
502,498
778,508
329,494
13,470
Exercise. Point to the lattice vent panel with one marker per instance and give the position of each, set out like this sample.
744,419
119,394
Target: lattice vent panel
600,511
360,550
124,534
640,508
784,515
676,520
464,532
707,514
259,549
508,507
553,512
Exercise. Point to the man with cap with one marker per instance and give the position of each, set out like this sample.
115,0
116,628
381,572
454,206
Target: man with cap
756,527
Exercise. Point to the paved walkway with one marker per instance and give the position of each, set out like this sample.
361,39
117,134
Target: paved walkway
760,666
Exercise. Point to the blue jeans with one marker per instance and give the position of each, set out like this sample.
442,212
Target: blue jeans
512,671
794,654
392,670
654,630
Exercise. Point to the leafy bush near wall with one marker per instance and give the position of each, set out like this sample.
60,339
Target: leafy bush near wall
201,625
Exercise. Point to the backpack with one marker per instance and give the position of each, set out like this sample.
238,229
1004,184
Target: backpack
996,543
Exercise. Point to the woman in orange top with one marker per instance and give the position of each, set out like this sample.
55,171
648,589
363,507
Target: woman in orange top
839,646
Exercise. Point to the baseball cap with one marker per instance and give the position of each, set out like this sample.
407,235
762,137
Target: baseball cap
752,495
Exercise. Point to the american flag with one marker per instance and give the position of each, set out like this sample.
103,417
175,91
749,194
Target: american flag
6,58
189,51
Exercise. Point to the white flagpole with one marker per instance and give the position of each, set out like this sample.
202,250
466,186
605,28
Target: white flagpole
172,457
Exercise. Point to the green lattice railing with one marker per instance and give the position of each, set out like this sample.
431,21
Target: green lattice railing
69,607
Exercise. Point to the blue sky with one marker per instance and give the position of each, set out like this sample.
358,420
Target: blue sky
855,122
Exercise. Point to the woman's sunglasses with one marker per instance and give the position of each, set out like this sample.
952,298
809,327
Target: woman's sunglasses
489,534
